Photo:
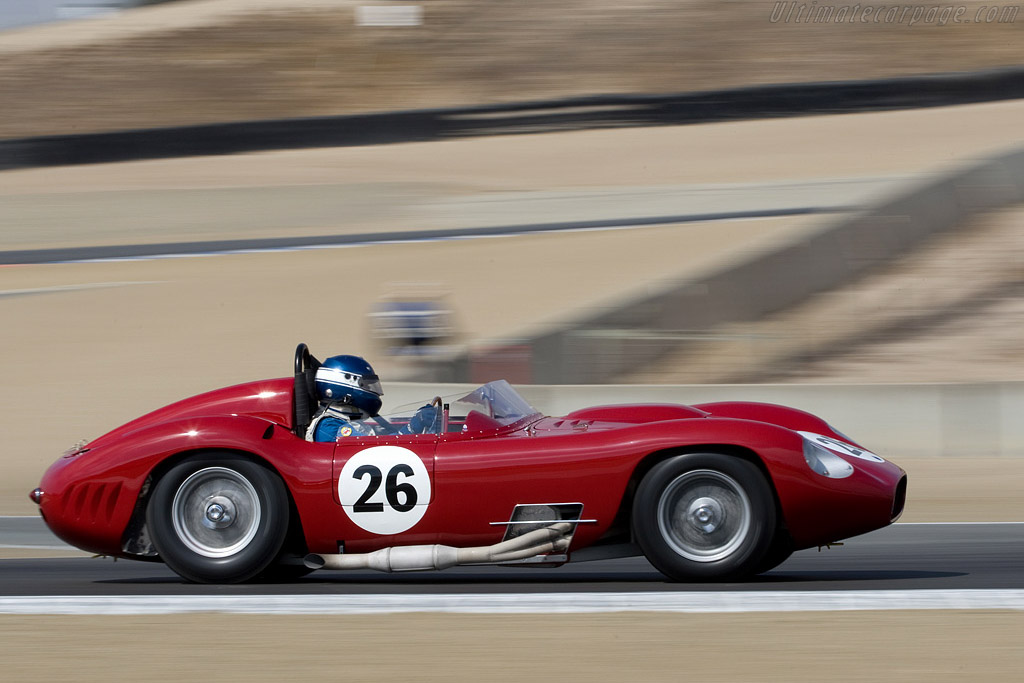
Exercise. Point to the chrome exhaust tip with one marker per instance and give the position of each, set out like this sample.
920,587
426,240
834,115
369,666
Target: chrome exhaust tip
314,561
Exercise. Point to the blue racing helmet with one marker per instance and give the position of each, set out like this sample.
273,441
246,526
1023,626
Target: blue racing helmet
351,381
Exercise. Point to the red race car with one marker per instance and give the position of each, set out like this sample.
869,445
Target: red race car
224,487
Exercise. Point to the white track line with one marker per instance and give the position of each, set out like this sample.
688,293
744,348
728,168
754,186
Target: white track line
533,603
72,288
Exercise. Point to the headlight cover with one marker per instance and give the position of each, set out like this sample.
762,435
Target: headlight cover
825,462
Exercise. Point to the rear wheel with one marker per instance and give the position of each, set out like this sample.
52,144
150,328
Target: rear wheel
218,518
704,516
778,552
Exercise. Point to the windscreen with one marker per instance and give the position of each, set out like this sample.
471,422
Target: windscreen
496,400
493,405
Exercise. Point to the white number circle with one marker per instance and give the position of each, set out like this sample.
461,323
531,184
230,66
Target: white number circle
384,489
841,448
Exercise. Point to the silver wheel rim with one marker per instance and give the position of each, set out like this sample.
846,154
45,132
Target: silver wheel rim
216,512
704,515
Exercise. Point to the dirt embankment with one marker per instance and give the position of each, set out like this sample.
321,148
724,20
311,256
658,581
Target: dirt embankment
929,647
307,59
953,311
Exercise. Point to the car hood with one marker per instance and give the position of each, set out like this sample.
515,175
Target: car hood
643,413
770,413
638,413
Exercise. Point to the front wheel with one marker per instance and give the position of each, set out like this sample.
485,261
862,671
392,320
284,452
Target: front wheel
704,516
219,518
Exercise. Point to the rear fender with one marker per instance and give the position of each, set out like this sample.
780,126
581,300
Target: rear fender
91,498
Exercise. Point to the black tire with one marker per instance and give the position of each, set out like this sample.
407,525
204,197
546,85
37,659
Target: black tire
218,518
289,564
285,570
704,517
778,552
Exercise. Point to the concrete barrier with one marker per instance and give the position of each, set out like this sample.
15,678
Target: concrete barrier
892,419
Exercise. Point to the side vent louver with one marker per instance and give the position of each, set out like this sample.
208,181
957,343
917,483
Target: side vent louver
93,503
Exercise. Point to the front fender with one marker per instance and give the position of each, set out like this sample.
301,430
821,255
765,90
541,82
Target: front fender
815,508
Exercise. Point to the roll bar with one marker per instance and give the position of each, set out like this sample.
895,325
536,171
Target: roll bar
304,400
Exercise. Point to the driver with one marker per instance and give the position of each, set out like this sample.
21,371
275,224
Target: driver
349,392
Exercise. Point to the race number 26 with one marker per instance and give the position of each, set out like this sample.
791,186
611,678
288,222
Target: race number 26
384,489
392,489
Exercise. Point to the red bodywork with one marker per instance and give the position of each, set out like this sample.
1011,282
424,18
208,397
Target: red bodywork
93,497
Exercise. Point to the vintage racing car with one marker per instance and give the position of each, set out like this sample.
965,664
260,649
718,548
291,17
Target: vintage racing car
223,487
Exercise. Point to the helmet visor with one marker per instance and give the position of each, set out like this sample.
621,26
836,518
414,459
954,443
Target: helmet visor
371,383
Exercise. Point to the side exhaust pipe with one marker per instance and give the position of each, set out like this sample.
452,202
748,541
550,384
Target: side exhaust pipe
411,558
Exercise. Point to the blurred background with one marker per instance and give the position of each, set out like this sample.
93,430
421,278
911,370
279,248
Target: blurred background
870,234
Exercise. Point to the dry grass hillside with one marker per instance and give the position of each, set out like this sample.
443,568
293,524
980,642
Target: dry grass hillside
214,60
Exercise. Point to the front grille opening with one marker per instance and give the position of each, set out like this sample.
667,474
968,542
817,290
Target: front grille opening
900,499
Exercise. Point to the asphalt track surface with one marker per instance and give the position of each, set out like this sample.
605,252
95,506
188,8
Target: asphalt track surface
176,249
904,557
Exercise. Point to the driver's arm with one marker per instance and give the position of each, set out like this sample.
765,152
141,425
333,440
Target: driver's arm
383,426
355,428
427,420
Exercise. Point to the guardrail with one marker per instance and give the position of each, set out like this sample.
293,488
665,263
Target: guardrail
598,111
891,419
